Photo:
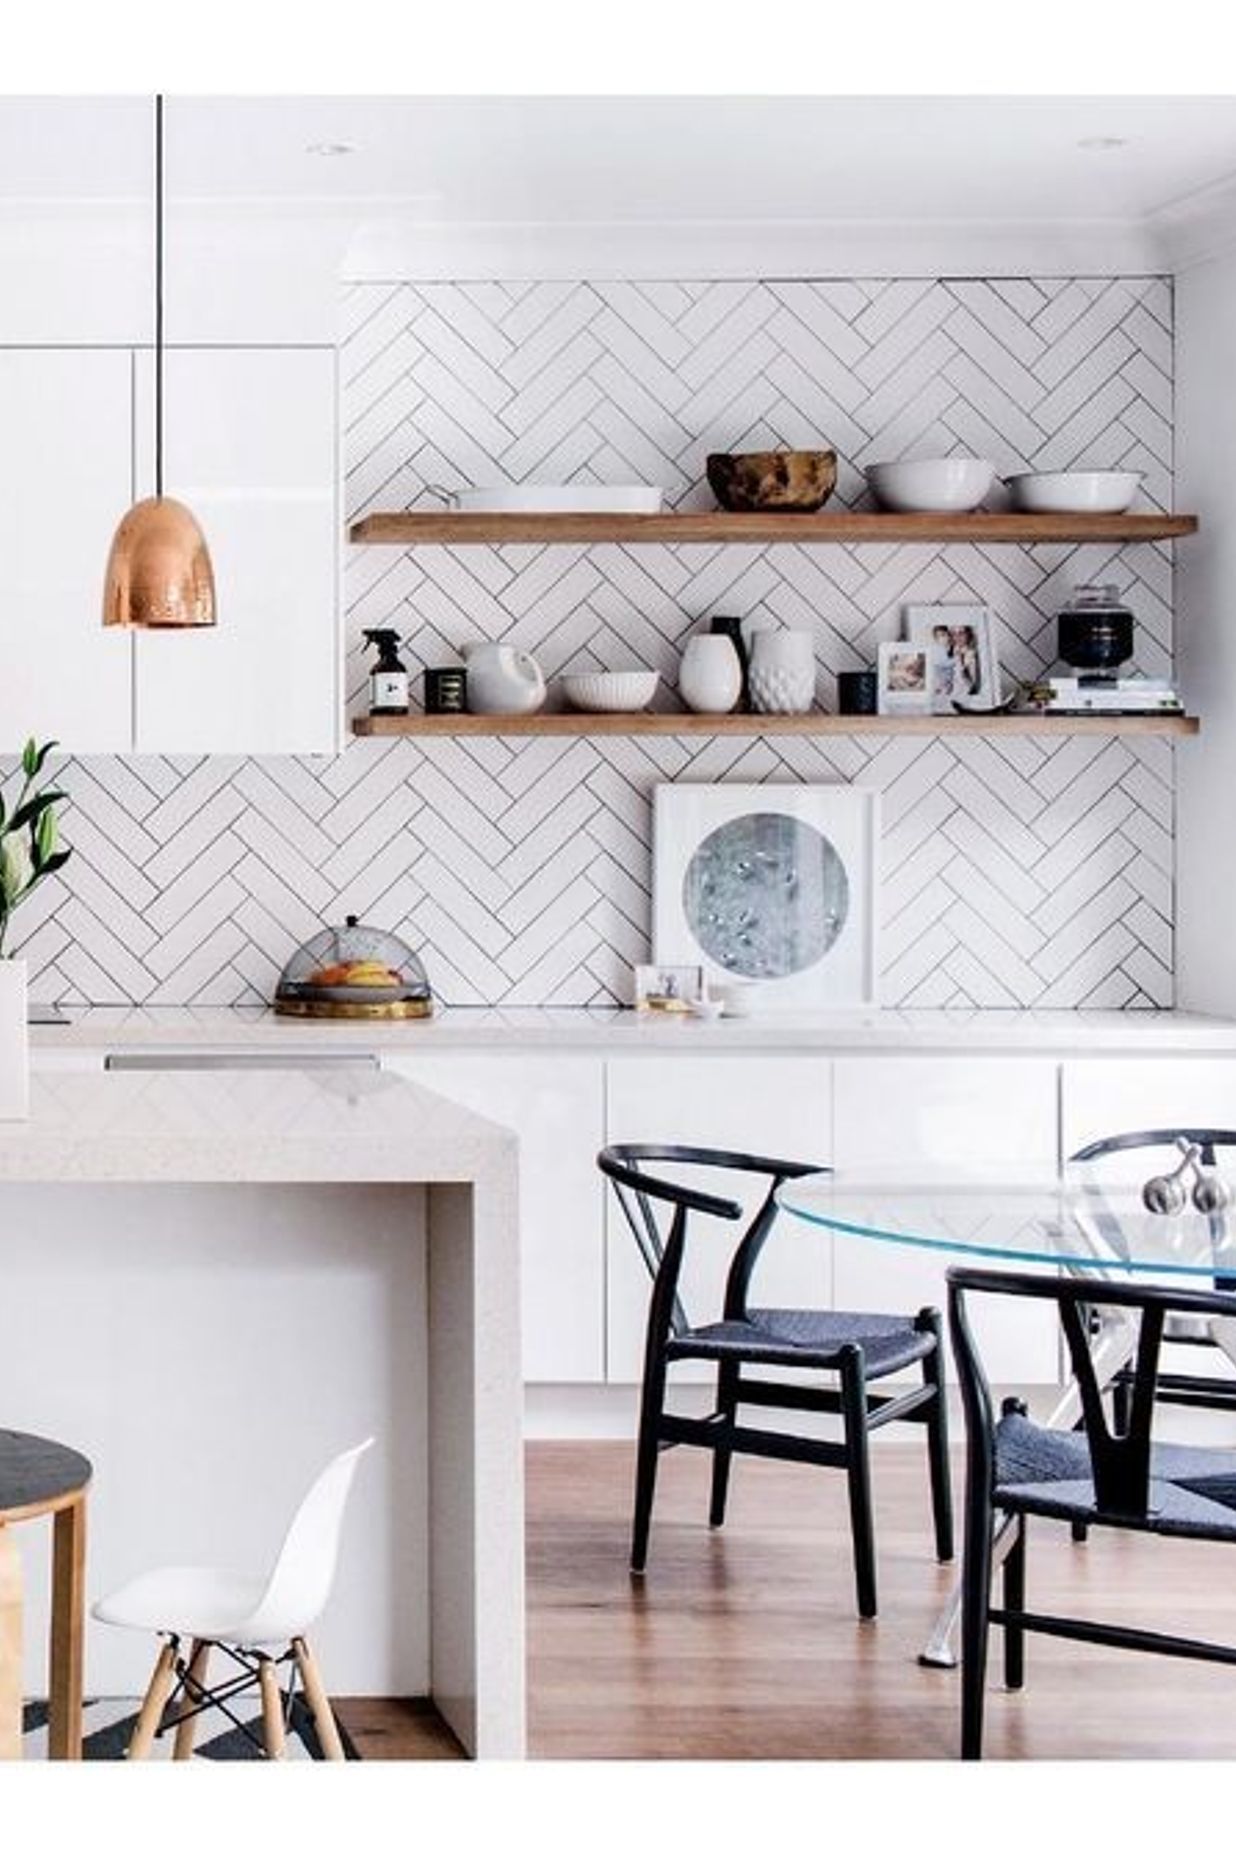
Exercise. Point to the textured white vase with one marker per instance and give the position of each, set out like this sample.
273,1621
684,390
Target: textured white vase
14,1042
782,672
710,675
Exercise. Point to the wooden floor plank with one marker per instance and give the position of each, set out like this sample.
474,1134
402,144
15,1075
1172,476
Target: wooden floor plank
743,1644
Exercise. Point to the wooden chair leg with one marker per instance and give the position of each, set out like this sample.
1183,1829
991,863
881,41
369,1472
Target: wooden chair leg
68,1624
858,1475
975,1620
727,1405
10,1647
646,1463
937,1441
273,1734
156,1700
186,1724
1015,1600
319,1705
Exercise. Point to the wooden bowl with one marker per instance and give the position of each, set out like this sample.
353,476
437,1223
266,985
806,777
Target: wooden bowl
798,482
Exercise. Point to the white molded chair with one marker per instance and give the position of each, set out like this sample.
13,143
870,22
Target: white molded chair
259,1621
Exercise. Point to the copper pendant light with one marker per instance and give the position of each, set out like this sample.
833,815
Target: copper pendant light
159,575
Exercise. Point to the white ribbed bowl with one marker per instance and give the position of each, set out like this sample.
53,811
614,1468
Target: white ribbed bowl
610,692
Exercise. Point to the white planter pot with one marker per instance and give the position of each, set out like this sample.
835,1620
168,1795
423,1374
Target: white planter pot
710,675
14,1042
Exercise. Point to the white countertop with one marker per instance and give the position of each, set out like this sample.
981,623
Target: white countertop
274,1125
616,1031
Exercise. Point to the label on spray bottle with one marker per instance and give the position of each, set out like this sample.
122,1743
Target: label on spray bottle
388,689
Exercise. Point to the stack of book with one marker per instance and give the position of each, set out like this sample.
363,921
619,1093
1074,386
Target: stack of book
1105,696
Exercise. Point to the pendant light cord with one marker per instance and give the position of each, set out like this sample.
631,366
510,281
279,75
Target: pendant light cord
158,385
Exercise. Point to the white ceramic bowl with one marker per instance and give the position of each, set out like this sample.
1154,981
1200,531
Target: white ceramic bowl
1074,492
610,692
635,499
935,485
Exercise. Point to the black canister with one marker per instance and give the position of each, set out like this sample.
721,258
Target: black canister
857,692
1094,632
446,690
731,628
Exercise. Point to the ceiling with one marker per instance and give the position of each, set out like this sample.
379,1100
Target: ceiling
640,159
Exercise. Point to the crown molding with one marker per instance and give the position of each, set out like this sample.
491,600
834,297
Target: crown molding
391,247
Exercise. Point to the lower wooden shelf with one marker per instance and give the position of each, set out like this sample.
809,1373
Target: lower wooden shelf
572,722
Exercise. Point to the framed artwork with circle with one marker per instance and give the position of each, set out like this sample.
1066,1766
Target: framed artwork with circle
771,885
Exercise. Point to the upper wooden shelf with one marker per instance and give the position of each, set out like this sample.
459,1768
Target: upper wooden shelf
575,722
444,528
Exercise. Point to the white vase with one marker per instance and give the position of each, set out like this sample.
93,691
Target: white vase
710,675
782,673
14,1042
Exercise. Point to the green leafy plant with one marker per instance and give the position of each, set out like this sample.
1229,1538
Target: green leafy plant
29,835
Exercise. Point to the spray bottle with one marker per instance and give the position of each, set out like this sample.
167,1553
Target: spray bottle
388,680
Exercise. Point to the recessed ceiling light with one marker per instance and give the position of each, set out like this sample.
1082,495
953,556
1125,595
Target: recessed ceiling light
1103,141
331,148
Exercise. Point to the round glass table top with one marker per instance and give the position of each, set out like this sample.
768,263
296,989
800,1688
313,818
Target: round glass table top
1082,1225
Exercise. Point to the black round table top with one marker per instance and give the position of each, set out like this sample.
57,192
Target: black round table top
35,1472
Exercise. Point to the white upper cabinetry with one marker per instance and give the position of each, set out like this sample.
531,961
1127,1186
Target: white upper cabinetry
65,480
251,444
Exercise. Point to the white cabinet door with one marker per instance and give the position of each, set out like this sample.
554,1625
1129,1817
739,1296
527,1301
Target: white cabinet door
66,479
251,444
1104,1096
554,1105
954,1118
778,1106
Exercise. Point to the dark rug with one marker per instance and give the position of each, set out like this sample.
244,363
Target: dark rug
107,1727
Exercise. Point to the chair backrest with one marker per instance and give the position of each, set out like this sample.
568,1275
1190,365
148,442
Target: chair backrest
1205,1138
300,1582
1120,1464
641,1194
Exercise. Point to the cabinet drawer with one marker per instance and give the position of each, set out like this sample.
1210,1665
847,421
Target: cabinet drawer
554,1105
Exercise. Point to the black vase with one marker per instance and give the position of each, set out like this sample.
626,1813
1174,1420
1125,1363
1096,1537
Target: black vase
1096,641
732,629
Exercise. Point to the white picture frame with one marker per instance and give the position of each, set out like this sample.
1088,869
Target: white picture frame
904,678
818,846
963,673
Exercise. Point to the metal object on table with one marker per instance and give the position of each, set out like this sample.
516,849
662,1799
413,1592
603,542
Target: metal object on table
1167,1194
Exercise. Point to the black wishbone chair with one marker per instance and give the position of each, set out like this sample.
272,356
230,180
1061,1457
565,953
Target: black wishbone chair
1098,1476
858,1348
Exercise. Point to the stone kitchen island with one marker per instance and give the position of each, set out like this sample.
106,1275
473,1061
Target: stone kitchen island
216,1279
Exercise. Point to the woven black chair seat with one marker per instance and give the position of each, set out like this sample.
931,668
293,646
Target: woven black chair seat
806,1337
1038,1471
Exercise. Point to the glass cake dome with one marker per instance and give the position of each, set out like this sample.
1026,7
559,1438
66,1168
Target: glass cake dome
354,972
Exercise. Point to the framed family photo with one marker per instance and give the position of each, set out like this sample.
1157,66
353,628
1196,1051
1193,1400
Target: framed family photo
962,668
903,673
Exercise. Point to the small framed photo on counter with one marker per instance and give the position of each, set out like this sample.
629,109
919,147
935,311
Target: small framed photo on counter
904,672
960,642
668,989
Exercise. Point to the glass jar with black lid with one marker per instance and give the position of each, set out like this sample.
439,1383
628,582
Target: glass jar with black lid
1094,632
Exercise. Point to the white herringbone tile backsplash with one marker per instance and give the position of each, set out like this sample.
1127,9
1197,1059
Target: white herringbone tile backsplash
1016,872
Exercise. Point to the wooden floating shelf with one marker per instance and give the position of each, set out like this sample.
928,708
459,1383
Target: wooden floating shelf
443,528
576,723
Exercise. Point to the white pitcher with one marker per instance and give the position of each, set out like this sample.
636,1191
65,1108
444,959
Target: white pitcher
502,680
